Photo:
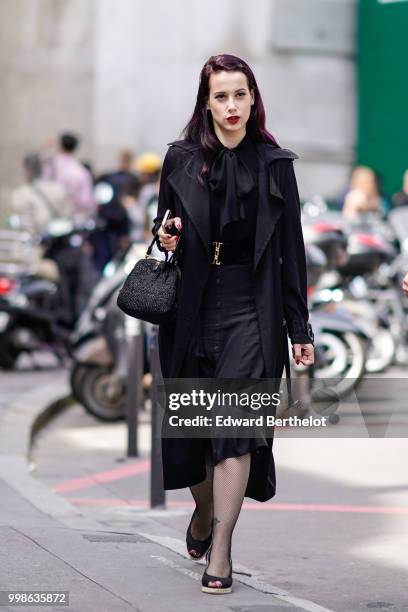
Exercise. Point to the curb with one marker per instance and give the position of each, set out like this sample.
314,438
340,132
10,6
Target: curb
20,423
48,413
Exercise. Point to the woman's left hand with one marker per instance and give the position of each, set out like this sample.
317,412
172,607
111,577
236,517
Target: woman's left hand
303,353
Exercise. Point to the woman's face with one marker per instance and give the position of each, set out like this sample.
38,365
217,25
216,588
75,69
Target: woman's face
229,96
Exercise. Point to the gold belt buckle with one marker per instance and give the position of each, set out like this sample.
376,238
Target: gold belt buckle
216,260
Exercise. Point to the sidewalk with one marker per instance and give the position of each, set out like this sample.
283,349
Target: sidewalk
49,544
77,518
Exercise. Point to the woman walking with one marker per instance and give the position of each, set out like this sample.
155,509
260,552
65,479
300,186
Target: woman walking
233,193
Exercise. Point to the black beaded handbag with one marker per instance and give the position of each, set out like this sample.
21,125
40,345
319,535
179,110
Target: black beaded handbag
150,291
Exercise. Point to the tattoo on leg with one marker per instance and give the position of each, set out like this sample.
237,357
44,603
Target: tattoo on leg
214,521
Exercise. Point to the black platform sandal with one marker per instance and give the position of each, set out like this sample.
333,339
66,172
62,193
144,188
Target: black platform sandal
199,546
224,582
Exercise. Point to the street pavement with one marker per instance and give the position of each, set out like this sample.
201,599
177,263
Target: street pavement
75,515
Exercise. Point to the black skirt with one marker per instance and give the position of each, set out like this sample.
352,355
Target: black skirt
229,343
226,343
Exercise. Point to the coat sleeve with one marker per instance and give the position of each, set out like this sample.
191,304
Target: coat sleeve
294,274
166,195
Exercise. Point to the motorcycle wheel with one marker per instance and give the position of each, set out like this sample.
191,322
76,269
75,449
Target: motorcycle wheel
102,394
77,372
381,352
346,357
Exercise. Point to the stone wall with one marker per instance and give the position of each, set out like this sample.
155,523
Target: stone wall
126,74
46,73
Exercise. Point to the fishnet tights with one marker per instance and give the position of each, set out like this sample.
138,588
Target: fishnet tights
219,498
203,497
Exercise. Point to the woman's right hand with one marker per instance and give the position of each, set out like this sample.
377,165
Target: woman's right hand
167,241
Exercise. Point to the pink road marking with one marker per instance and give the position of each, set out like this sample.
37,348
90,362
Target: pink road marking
82,501
75,484
143,503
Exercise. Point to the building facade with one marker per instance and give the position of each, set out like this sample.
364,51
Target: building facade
126,74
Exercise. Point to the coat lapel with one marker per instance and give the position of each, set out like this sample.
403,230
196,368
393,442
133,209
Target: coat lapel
196,200
194,196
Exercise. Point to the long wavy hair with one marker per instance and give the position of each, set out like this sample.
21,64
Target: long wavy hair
200,128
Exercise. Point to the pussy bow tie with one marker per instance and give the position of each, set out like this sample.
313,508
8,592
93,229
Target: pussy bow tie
231,176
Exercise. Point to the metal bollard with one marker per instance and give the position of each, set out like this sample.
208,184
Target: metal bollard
134,341
157,493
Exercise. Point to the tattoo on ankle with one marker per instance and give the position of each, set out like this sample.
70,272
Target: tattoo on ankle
214,521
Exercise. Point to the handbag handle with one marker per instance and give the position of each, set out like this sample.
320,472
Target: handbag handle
150,247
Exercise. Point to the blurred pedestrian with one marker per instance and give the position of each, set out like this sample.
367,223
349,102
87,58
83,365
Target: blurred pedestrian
115,193
39,201
66,169
123,175
364,195
148,167
135,211
77,272
112,233
400,198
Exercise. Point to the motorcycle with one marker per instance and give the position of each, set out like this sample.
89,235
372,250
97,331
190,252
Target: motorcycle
98,343
40,305
341,344
358,276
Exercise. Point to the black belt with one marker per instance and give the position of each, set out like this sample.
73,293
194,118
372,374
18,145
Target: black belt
224,254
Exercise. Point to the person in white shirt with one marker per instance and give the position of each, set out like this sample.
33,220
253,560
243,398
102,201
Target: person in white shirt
39,201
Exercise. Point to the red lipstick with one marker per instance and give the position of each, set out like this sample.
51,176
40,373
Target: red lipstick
233,119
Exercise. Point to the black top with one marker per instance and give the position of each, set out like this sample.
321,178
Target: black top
233,184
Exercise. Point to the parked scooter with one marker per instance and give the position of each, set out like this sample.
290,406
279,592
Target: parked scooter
358,280
42,303
98,344
341,343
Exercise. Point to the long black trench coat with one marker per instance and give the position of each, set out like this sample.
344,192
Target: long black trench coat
279,268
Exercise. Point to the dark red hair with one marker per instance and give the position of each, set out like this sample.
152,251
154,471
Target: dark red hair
200,127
